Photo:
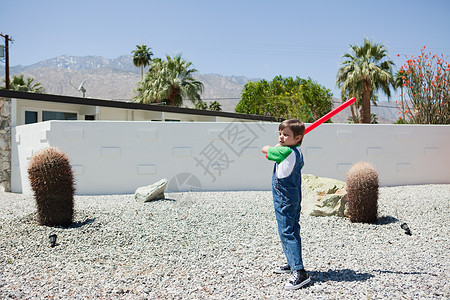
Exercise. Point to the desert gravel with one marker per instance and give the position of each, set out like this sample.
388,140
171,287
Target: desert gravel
224,245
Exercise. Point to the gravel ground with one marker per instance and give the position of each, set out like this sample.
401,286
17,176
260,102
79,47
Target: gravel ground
221,245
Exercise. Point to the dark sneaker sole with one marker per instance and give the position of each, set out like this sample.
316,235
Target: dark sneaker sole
298,286
279,271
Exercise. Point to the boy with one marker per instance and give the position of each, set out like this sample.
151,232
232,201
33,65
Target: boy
286,190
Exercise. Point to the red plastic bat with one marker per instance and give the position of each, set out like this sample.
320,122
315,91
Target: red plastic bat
330,114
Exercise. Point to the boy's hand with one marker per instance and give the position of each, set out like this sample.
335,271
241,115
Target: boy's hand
266,148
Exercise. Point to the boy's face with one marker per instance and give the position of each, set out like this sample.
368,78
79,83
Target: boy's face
286,137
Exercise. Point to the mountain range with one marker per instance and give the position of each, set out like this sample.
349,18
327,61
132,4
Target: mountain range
116,79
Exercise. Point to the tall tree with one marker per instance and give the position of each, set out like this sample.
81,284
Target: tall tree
286,97
19,83
142,57
365,70
169,81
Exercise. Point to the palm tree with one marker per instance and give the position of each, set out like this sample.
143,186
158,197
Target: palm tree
19,83
364,71
169,81
142,57
215,106
201,105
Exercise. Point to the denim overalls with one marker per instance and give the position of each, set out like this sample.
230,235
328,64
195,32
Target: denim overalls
287,197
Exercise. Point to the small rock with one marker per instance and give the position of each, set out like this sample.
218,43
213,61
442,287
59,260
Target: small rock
151,192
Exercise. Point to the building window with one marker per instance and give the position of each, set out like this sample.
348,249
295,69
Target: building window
58,115
31,117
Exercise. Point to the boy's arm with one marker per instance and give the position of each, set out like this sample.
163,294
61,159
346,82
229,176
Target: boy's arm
277,153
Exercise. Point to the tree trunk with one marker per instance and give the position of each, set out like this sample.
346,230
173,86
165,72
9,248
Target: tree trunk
365,105
172,95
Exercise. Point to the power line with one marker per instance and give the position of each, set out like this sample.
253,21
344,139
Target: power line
211,99
221,98
372,105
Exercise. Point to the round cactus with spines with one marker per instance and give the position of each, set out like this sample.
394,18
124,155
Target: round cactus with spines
362,193
51,179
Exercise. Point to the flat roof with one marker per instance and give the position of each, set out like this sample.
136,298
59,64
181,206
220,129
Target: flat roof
130,105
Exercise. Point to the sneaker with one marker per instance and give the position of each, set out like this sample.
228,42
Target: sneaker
282,269
299,279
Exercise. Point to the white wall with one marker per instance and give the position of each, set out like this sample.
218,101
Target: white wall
110,157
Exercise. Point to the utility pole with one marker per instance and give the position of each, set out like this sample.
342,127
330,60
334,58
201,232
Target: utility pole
7,39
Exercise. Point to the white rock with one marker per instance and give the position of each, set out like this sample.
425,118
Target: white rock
151,192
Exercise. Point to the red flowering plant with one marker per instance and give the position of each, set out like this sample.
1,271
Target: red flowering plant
425,82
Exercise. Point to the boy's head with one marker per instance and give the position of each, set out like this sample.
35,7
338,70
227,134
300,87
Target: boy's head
291,132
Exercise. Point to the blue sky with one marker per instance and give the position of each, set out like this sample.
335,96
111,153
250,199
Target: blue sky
256,39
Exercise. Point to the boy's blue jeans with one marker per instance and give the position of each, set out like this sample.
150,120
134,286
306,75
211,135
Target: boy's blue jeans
287,204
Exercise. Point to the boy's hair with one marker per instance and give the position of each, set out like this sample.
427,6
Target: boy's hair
297,127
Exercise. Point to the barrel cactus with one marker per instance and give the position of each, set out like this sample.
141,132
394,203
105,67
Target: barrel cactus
51,179
362,193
